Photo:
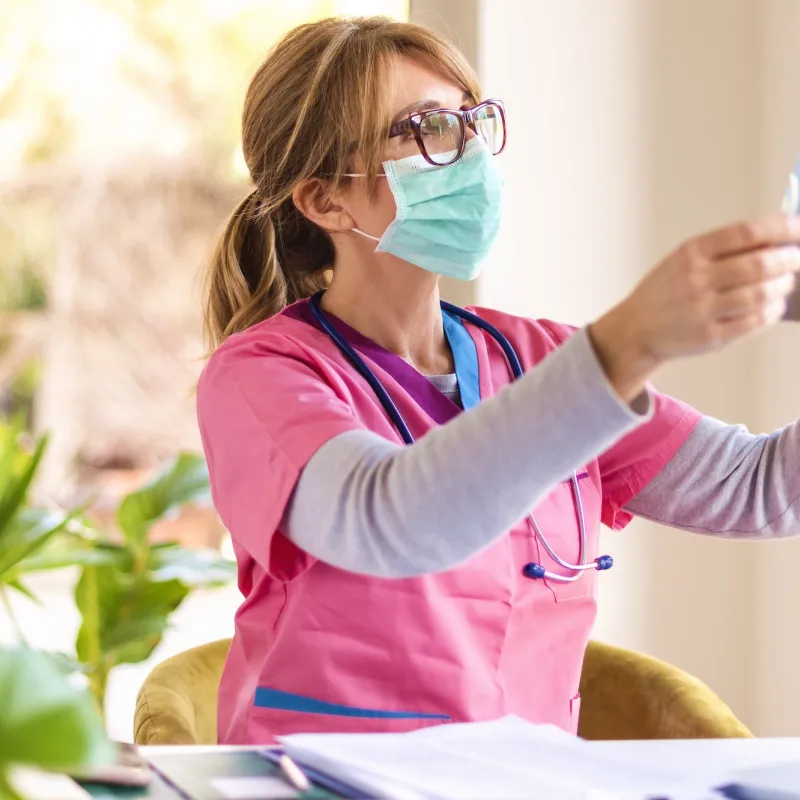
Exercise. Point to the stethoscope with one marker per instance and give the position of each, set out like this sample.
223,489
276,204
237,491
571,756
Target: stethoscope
532,570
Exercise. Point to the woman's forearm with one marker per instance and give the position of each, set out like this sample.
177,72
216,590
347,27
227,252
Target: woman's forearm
727,481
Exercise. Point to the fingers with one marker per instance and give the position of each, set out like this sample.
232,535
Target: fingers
753,268
754,299
717,288
742,237
742,326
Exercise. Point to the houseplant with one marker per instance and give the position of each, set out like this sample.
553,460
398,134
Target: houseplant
128,586
25,531
127,593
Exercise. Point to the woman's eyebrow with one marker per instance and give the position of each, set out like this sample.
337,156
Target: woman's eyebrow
423,105
417,105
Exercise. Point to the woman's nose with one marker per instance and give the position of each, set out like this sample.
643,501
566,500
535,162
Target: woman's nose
471,132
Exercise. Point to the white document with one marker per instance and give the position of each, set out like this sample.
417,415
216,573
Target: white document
507,758
776,782
770,762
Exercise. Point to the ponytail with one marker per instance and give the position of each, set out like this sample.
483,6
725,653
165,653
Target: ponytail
261,263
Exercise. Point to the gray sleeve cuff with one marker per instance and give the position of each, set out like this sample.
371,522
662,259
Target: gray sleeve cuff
639,411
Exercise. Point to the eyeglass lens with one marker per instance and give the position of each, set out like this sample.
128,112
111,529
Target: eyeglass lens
442,133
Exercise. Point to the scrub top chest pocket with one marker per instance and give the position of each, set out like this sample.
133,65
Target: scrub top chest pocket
558,518
276,713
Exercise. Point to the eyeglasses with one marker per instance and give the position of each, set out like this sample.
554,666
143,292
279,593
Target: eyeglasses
441,134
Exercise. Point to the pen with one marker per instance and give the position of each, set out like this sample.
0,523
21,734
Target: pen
294,774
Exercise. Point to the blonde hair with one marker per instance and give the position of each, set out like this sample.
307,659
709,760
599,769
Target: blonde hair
317,98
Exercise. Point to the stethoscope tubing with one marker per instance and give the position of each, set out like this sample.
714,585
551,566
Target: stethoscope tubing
532,570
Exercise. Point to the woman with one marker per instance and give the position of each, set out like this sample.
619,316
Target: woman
393,574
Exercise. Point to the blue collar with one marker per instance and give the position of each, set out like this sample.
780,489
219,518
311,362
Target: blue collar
465,355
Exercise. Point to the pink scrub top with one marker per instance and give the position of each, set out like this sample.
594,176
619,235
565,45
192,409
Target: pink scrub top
320,649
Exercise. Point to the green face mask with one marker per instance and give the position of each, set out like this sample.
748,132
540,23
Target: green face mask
447,217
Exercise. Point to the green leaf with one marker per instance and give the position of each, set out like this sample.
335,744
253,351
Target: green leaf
136,651
122,621
20,587
71,551
45,721
135,629
11,453
204,567
26,533
97,593
18,480
183,481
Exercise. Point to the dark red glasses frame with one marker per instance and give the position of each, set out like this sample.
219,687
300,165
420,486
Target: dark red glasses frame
466,117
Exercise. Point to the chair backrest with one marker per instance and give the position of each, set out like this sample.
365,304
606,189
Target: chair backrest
177,703
625,695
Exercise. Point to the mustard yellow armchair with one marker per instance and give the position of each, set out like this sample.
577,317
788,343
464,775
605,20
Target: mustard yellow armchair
625,695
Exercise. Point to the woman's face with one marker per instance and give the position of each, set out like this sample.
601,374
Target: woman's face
414,88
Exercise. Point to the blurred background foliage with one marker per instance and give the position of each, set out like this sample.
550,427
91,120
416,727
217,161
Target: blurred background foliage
119,160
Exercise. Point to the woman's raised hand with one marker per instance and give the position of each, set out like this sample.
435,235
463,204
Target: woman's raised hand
712,290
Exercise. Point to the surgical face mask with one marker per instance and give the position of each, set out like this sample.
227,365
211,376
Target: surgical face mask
447,217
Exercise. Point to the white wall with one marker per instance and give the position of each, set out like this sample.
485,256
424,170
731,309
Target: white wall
776,382
632,126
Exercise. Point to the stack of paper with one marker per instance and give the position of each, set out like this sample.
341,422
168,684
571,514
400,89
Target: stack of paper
749,769
507,758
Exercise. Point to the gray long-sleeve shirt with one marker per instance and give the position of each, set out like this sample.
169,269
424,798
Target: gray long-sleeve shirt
371,506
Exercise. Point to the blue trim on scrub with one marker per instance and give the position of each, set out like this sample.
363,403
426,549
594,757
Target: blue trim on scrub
465,355
286,701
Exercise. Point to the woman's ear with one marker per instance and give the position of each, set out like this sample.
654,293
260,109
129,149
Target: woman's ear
313,200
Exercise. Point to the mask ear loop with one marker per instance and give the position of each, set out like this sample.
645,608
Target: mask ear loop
367,235
363,175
